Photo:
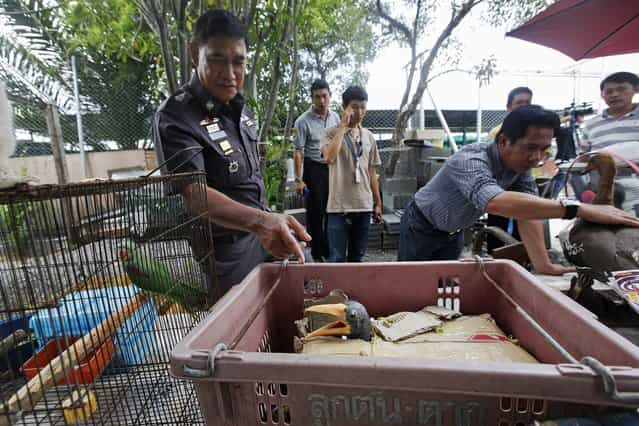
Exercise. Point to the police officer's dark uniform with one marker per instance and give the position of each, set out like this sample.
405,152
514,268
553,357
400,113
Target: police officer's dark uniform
228,135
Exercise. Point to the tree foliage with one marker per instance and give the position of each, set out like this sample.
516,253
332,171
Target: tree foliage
410,30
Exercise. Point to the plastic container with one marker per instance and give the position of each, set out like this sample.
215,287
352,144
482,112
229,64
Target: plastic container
262,382
79,312
87,370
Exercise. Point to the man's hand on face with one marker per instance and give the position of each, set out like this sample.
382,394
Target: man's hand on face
608,215
277,232
345,118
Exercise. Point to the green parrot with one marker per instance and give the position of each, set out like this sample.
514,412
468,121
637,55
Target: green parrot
154,277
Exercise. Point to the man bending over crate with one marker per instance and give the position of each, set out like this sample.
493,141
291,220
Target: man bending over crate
495,177
210,113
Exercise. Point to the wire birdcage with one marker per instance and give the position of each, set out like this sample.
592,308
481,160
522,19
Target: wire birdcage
82,338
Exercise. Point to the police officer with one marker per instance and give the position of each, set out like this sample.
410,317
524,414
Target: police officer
210,113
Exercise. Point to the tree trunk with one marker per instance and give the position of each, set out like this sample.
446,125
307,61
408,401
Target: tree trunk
57,148
179,11
276,74
57,144
405,113
292,92
155,16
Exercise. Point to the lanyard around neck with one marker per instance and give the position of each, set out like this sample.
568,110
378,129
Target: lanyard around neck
351,147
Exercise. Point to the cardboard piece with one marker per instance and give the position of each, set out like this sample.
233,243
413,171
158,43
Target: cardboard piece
402,325
468,338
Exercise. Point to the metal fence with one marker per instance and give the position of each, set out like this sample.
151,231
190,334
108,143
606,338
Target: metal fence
115,116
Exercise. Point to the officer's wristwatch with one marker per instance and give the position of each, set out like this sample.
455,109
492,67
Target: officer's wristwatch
571,207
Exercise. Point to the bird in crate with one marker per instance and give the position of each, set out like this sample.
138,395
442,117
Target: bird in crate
154,277
601,248
349,319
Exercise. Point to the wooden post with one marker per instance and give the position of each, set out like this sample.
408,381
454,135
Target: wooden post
57,144
57,148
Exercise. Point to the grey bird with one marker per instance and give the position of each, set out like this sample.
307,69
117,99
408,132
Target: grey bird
598,249
350,319
602,247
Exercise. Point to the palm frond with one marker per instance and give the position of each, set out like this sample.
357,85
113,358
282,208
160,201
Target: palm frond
31,63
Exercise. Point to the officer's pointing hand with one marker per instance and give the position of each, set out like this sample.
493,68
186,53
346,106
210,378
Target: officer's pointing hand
275,232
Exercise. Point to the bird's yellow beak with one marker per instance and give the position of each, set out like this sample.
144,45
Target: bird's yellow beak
339,327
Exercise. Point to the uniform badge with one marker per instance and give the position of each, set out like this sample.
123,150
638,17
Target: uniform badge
250,123
226,147
208,121
213,128
234,166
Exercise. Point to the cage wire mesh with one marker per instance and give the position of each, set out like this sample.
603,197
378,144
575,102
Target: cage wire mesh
72,263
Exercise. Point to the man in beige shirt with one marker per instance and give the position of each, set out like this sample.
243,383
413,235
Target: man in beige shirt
351,153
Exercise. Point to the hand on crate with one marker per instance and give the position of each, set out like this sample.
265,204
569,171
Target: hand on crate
277,232
554,269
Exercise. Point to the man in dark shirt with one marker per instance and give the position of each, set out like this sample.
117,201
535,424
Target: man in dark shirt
209,113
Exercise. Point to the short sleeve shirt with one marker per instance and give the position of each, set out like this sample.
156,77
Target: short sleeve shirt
458,194
344,195
309,128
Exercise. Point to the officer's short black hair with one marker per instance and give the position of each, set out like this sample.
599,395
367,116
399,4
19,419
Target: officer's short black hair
354,93
517,91
218,23
517,122
620,77
320,84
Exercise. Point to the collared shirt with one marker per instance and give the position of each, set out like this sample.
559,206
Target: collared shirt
344,195
604,130
309,128
228,136
458,194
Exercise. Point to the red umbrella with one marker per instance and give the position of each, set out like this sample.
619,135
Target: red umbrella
585,28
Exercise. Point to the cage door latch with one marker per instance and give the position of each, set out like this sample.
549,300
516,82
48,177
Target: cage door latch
207,358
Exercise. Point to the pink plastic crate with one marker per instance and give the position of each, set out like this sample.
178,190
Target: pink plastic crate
263,382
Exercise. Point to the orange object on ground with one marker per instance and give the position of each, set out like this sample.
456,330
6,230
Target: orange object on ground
87,370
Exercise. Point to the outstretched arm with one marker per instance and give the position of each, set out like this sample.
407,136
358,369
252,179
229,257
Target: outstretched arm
274,230
526,206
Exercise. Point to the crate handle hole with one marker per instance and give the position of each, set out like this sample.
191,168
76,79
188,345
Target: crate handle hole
284,389
275,415
456,304
539,406
522,405
286,410
505,405
271,389
259,389
261,409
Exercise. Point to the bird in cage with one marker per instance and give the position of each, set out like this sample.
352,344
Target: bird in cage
155,277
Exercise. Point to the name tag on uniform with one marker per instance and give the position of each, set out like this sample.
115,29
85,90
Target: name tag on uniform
226,147
213,128
216,136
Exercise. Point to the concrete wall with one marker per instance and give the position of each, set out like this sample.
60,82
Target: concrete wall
99,164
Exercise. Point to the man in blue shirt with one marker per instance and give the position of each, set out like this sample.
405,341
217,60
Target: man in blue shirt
309,128
494,177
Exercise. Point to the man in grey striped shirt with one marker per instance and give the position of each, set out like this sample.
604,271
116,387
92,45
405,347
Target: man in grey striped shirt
494,177
618,123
